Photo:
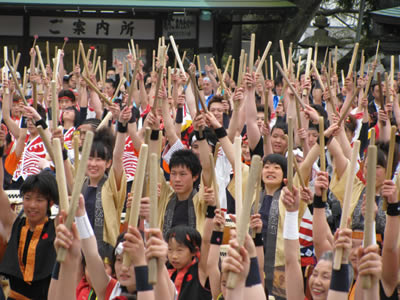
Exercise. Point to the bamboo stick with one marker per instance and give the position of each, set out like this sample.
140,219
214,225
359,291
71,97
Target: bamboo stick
199,66
238,175
153,182
290,85
226,67
347,200
296,166
17,86
75,142
298,68
347,107
322,153
39,55
73,60
314,67
271,66
76,191
373,135
96,90
282,49
104,72
252,49
47,53
178,58
335,60
60,175
16,64
391,77
132,86
315,54
233,69
369,207
243,219
137,194
46,141
54,105
264,56
290,154
353,59
240,72
389,167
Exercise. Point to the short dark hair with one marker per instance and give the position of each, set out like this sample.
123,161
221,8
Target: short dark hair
76,119
279,159
186,158
215,99
67,94
186,236
103,144
209,135
112,82
45,184
280,125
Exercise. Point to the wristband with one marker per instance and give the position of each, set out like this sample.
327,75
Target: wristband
258,240
290,227
42,123
142,280
1,151
84,228
49,114
220,132
253,277
340,279
318,203
198,137
393,209
154,135
121,127
56,271
210,214
64,154
23,123
179,115
216,237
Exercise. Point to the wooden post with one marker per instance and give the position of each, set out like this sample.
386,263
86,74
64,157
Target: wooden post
347,200
76,191
137,194
322,152
238,175
243,219
60,175
153,182
290,154
369,217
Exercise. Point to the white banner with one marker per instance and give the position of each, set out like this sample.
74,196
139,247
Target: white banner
181,27
138,29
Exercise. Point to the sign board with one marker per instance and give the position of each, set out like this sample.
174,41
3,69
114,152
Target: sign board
138,29
11,25
181,27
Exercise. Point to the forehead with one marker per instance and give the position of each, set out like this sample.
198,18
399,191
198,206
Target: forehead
215,105
324,266
34,193
180,168
278,131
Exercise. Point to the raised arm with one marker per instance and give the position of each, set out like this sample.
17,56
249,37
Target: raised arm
293,275
117,164
6,107
204,149
169,126
253,132
235,123
390,252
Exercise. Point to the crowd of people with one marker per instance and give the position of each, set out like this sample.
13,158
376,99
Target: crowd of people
186,118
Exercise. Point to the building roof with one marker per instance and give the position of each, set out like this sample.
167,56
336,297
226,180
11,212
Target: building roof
387,15
181,4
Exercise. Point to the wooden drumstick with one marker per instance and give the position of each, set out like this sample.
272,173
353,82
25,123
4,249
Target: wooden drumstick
214,181
369,217
298,68
105,121
178,58
96,90
60,175
226,67
283,57
373,136
238,175
252,49
335,61
353,59
56,66
240,72
153,182
322,152
75,142
83,54
199,66
76,191
389,166
16,83
315,61
264,56
347,200
244,219
271,67
17,61
54,105
308,65
290,154
137,194
47,53
39,55
290,85
104,72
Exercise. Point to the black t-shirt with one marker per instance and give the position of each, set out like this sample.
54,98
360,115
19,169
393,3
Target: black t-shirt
181,213
90,202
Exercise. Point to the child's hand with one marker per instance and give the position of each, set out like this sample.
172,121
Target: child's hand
219,220
156,246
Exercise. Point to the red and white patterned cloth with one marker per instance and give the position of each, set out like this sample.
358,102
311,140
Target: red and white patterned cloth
68,135
34,151
129,159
